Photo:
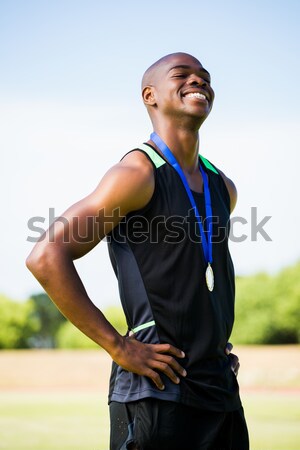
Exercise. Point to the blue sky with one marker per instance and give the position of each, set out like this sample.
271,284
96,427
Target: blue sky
70,108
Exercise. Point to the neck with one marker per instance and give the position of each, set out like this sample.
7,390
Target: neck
184,144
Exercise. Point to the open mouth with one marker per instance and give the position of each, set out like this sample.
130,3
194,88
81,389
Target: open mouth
197,95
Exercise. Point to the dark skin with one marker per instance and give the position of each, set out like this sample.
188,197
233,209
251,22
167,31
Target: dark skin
126,187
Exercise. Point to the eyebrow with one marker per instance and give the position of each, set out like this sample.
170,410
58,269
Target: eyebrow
184,66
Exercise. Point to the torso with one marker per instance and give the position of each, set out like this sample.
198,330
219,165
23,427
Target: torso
162,280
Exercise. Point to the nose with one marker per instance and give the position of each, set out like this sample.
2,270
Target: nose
196,80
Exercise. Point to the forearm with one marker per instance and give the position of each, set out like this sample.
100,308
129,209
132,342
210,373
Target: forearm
56,272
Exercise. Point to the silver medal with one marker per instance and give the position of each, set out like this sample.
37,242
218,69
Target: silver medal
209,276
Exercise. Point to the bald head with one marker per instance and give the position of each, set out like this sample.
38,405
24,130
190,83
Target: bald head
153,72
165,84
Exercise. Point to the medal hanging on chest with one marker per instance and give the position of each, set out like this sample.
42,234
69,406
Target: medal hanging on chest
209,277
205,241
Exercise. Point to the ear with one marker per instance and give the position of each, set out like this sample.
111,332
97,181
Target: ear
149,96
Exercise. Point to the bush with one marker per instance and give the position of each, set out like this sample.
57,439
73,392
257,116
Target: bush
267,312
68,336
49,319
16,323
268,308
116,317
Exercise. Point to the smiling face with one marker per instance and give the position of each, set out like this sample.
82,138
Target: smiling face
178,86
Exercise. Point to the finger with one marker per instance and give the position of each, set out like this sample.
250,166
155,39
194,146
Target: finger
236,369
234,362
172,363
166,369
168,348
234,359
156,379
228,348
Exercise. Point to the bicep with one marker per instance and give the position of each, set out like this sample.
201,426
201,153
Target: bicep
231,190
232,193
82,226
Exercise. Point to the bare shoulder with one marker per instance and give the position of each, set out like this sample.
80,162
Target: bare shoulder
140,178
137,160
231,189
129,184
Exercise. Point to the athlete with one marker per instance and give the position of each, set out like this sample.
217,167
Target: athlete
165,212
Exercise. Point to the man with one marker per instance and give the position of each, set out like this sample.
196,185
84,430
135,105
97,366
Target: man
165,211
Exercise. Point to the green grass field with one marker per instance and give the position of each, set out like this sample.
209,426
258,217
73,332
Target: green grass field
65,421
57,400
273,421
53,421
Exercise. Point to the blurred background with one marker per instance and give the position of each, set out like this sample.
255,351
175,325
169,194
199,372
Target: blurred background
70,107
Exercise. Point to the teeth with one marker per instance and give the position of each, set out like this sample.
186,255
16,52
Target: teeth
197,95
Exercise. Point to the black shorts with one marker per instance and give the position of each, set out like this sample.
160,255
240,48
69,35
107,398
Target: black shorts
152,424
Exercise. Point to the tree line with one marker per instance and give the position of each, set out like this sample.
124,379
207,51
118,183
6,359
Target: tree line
267,311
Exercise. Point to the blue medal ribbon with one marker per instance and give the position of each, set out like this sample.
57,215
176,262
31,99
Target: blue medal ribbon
206,242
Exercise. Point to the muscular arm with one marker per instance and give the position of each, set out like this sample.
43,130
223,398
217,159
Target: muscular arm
231,190
126,187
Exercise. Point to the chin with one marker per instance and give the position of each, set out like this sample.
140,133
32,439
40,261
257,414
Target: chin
200,115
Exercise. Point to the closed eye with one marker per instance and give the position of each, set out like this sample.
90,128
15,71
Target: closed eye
185,75
187,70
179,75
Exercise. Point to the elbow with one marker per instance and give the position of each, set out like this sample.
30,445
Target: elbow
35,263
39,261
31,262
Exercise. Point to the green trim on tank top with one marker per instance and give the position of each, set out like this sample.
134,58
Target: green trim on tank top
208,165
153,155
143,326
159,161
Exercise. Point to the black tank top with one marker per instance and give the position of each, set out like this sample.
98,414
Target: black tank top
158,259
